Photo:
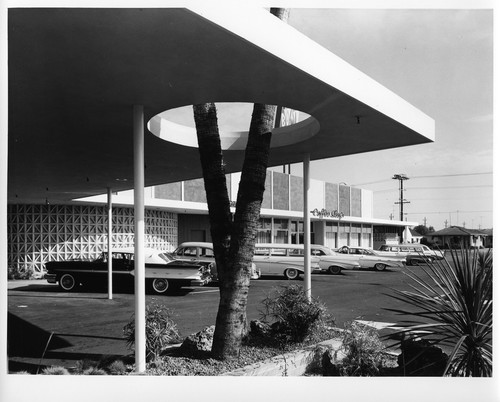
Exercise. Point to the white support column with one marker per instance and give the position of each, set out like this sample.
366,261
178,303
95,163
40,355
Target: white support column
139,271
110,245
307,229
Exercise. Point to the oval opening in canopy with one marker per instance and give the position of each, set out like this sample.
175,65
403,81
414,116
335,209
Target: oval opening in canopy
177,126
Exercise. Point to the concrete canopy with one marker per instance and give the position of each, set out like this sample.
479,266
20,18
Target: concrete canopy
75,74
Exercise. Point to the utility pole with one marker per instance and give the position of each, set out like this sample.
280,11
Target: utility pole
446,223
425,221
401,177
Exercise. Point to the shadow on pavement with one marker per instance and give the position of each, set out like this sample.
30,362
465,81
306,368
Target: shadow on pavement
27,340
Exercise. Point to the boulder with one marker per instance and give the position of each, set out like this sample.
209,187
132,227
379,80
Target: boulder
420,358
258,328
199,342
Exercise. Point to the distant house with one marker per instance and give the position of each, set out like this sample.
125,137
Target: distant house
412,236
456,237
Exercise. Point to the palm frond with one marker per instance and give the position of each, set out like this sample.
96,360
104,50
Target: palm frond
451,305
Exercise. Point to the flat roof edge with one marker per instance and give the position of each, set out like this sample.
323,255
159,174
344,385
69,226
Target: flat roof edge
298,50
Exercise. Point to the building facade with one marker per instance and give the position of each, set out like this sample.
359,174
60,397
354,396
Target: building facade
177,212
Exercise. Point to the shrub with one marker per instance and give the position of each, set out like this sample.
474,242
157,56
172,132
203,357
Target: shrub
296,317
55,370
14,273
160,330
117,367
94,371
363,351
454,309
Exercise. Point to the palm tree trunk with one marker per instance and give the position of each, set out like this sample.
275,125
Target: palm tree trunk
214,176
234,242
231,323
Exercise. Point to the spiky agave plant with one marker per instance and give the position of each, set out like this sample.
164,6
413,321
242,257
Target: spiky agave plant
452,307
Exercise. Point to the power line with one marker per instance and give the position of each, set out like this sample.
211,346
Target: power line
426,177
452,175
437,188
443,212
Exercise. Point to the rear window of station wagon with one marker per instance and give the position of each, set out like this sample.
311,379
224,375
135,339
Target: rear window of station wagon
278,251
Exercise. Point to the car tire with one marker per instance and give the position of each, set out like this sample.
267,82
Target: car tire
334,270
291,274
414,262
380,267
160,285
67,282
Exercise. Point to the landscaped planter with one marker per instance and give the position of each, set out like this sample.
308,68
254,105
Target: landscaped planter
290,364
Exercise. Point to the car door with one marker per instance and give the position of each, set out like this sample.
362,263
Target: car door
364,260
261,259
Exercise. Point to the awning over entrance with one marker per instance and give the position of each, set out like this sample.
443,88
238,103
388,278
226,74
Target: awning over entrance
75,74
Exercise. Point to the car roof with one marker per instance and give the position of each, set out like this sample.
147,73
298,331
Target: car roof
196,244
286,245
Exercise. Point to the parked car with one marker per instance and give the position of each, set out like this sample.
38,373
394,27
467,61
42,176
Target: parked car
204,252
282,259
367,258
162,272
413,253
332,262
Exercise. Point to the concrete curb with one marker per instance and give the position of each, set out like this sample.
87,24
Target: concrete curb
288,364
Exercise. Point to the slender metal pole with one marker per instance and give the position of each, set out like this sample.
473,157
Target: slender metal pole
139,271
307,229
110,245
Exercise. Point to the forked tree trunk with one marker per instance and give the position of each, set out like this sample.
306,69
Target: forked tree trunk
234,241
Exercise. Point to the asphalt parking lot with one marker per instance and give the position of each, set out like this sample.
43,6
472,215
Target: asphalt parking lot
66,327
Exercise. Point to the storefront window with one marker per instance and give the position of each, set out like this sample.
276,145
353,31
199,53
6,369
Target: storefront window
280,231
264,230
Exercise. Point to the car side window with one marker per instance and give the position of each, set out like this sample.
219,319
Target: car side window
296,252
261,251
187,252
317,252
279,252
207,252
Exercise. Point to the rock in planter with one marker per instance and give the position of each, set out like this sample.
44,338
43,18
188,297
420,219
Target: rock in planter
420,358
323,360
259,328
200,342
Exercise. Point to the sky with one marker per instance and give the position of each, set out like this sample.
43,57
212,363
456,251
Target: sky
440,61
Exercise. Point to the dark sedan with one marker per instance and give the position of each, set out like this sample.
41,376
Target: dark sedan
162,272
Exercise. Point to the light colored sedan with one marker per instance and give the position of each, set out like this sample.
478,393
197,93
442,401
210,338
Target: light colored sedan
196,251
367,258
332,262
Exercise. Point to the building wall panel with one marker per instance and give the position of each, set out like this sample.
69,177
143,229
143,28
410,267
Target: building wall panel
355,202
194,191
296,193
41,233
281,191
345,200
170,191
331,196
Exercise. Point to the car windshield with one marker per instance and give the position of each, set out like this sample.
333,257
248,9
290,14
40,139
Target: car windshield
166,257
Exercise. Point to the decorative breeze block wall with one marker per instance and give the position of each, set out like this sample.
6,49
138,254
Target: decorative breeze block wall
41,233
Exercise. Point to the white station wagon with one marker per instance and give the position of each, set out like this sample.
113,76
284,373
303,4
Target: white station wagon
282,259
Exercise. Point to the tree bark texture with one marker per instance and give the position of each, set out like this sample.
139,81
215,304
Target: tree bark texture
214,176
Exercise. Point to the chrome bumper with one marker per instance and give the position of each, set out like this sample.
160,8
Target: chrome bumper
51,278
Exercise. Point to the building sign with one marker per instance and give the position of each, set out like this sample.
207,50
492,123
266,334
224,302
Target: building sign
327,214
